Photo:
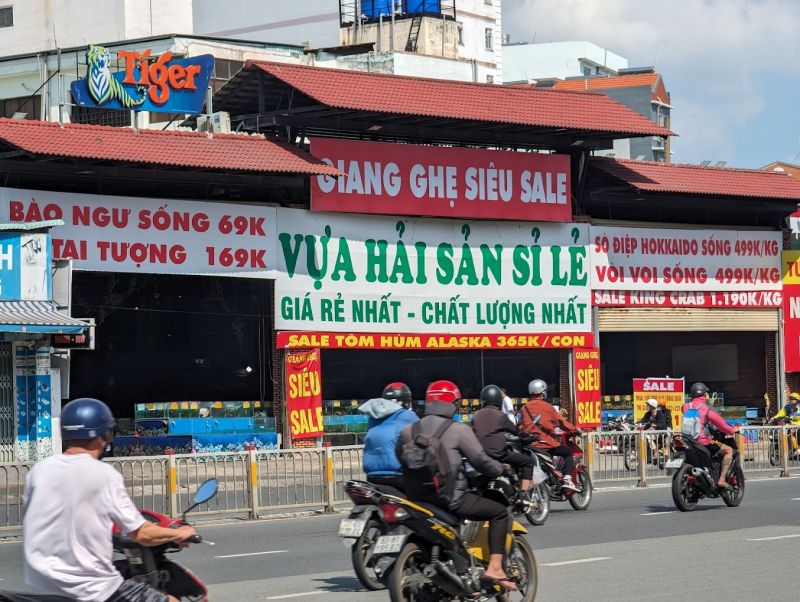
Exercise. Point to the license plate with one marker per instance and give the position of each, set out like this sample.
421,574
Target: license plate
675,463
389,544
351,527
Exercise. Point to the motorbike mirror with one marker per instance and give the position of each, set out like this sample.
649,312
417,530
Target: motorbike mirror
205,492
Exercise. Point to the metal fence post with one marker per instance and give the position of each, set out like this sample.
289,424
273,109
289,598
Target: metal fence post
589,447
642,457
172,485
328,480
784,452
253,481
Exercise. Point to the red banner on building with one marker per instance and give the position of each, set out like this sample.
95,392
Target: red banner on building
410,179
721,299
791,310
587,387
371,340
304,394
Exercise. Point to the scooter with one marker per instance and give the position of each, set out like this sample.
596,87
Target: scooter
695,473
655,450
148,564
431,555
361,529
553,467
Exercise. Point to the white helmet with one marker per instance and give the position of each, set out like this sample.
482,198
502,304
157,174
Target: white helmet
537,387
652,403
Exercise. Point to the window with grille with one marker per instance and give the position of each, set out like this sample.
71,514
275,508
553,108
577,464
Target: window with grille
7,16
489,38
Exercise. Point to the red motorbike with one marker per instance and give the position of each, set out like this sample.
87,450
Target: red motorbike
149,564
553,468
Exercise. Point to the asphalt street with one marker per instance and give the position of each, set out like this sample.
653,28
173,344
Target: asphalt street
630,545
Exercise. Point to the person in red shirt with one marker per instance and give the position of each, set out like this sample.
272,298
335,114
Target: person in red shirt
699,394
545,428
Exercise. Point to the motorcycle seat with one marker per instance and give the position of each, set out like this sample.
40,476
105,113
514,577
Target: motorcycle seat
26,597
441,514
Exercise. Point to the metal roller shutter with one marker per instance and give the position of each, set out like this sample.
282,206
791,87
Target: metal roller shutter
672,319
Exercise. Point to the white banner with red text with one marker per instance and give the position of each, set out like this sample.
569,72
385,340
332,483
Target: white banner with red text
148,235
627,259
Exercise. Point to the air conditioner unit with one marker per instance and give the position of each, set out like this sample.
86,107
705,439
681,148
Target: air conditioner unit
219,123
658,143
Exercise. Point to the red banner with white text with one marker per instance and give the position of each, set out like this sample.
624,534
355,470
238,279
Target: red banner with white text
723,299
587,388
371,340
304,393
410,179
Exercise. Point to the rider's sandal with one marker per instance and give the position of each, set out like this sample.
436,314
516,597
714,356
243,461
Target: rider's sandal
504,584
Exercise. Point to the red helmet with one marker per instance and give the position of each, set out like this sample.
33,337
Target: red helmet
442,390
397,391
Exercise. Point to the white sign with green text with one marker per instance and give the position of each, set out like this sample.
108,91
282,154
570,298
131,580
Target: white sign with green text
389,274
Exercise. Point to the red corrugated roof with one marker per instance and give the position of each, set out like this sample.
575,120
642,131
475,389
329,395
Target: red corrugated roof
604,83
234,152
693,179
400,95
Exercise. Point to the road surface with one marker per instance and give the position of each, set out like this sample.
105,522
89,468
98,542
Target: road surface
601,554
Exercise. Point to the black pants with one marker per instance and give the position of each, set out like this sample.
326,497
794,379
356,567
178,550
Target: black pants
522,462
474,507
566,453
388,483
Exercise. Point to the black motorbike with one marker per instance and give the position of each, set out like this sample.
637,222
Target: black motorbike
363,526
695,473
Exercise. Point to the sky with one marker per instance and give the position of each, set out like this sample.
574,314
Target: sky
732,67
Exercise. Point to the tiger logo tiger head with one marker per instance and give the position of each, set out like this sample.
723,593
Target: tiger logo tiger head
99,60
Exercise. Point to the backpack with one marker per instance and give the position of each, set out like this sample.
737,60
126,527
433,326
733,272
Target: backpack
693,424
427,473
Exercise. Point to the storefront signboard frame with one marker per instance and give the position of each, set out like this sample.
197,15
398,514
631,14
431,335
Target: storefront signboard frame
791,310
666,391
304,393
588,397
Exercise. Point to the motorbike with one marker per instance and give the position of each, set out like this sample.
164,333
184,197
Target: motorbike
695,473
149,564
536,508
655,451
361,529
774,440
553,467
430,555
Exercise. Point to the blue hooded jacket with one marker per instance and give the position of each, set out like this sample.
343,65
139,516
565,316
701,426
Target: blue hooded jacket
386,419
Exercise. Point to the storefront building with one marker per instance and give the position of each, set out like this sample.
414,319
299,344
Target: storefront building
686,279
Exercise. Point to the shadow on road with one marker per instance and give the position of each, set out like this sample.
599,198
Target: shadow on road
340,584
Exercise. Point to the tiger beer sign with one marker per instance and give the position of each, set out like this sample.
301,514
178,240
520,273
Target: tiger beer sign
304,394
143,82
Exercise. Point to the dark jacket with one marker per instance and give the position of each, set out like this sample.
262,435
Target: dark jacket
491,425
658,422
459,441
386,419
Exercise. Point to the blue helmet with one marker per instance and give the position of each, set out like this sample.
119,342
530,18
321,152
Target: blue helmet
86,418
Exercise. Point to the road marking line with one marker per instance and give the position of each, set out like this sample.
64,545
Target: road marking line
252,554
295,595
657,513
796,499
776,537
580,561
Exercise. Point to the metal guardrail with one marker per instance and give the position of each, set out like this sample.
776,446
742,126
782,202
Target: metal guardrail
254,483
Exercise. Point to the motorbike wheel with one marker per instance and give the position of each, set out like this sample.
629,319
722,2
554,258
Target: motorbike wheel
521,565
582,499
360,551
407,583
684,499
631,462
542,495
775,456
734,498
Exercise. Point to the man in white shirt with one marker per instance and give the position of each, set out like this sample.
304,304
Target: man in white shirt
71,503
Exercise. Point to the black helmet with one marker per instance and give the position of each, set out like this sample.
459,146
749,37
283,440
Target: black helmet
491,395
698,390
85,418
397,391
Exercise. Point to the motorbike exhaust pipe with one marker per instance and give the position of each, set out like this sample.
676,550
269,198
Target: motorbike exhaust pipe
704,480
454,585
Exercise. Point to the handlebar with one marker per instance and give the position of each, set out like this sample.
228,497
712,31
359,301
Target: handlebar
195,539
